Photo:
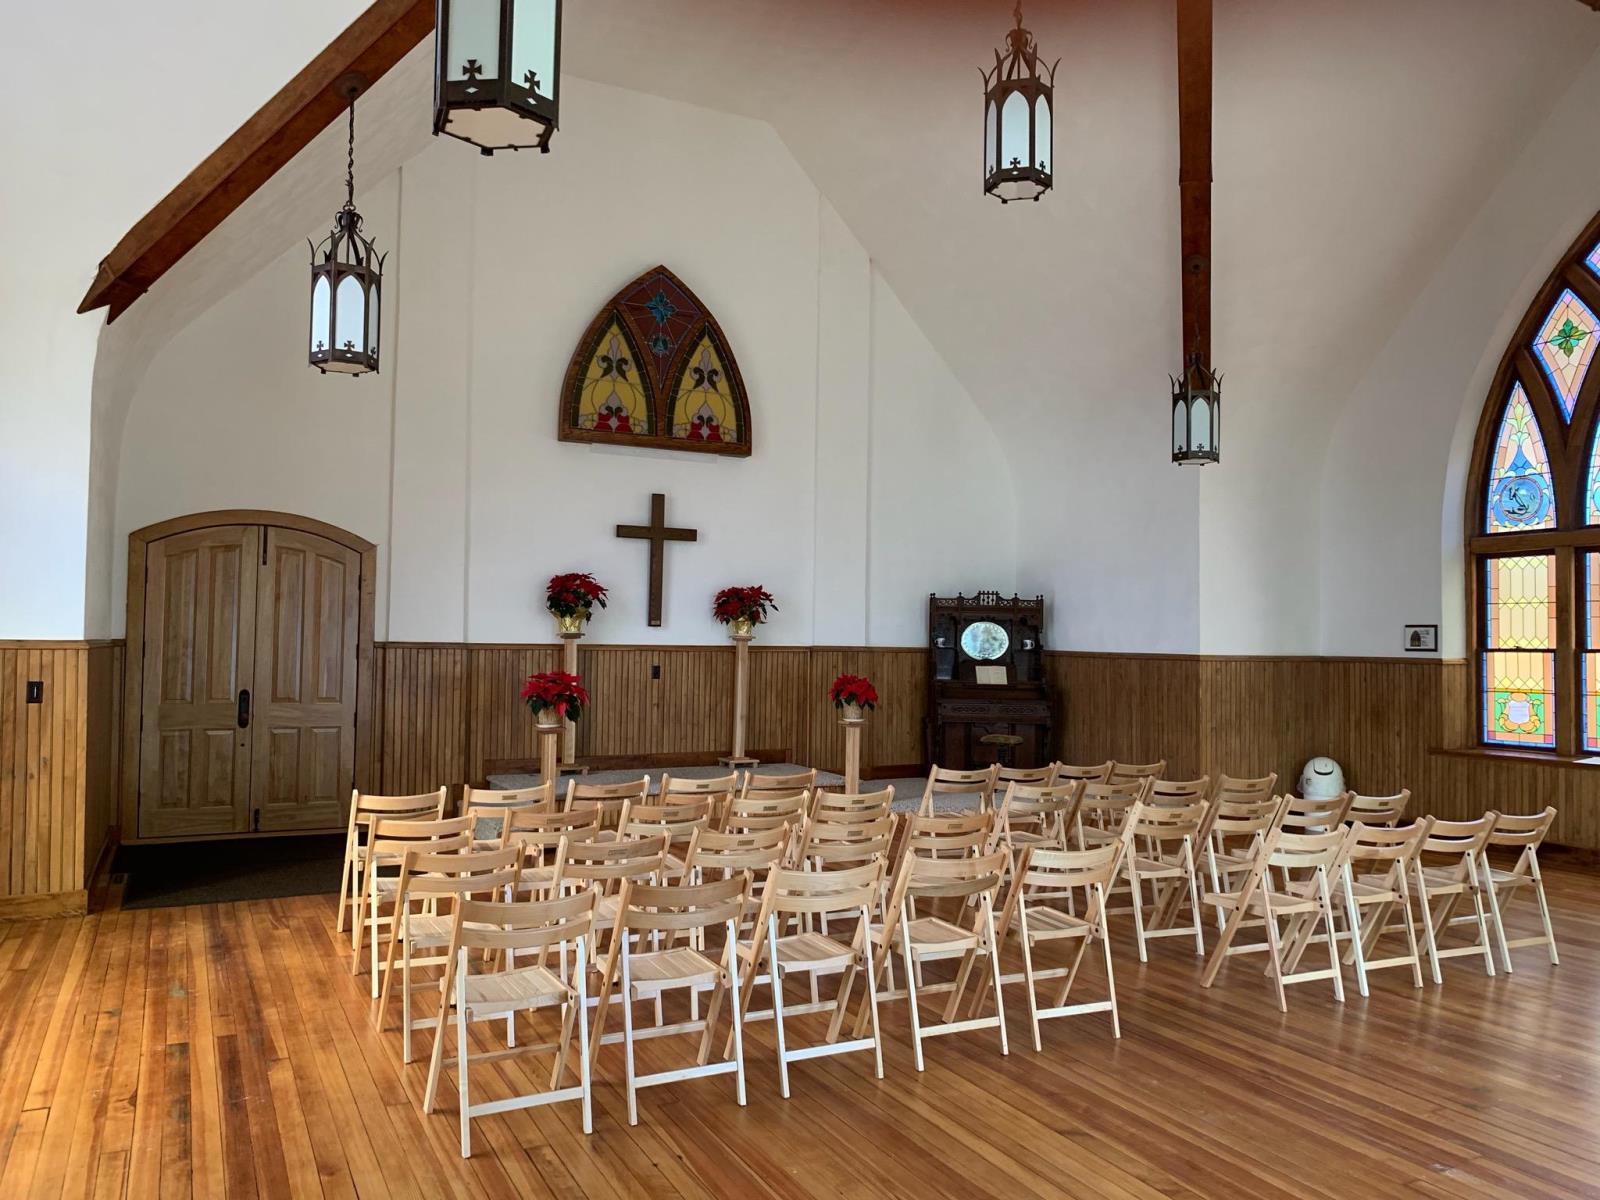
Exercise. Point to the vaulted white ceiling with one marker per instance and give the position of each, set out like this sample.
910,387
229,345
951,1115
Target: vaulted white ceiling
1354,140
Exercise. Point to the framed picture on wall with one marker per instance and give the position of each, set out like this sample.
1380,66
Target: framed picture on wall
1422,639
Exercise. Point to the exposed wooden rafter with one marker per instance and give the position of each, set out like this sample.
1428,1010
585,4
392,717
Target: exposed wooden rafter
376,40
1194,173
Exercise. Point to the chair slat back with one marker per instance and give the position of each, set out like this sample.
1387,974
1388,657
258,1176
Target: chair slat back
423,806
1303,851
539,796
1387,843
929,878
790,892
961,834
1459,838
605,798
1165,823
393,836
1378,810
1104,805
469,872
678,817
1315,814
720,786
829,845
1054,806
1095,773
1179,793
537,831
766,810
827,805
647,908
609,862
750,850
944,781
1123,772
1056,871
1027,776
1517,830
784,783
522,925
1235,789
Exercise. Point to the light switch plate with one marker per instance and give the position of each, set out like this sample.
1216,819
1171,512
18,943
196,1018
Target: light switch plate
35,691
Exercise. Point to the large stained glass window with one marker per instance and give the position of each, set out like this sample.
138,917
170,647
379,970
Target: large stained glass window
1521,494
1590,667
1564,346
1519,678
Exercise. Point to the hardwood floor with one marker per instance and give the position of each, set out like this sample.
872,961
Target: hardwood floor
225,1051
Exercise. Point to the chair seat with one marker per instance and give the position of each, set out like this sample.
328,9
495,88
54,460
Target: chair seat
420,930
807,952
1441,879
1091,834
678,967
934,935
1159,864
1048,921
1026,837
1281,902
1511,877
1228,861
508,991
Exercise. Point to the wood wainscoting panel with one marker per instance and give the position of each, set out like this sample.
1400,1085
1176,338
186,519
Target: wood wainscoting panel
57,771
422,717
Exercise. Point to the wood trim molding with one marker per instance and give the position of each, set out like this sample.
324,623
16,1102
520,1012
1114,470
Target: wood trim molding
44,905
133,673
282,127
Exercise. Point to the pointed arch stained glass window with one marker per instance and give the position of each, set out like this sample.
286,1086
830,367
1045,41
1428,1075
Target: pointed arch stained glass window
1519,663
1565,345
703,409
1521,494
1593,260
613,397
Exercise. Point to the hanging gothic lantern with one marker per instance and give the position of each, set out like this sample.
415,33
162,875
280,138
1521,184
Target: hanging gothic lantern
1197,415
496,71
1017,147
346,274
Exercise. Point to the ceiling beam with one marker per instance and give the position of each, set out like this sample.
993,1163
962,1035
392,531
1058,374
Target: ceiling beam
305,106
1194,174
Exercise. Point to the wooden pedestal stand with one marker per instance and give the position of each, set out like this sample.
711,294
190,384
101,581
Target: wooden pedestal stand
569,664
549,757
743,633
852,722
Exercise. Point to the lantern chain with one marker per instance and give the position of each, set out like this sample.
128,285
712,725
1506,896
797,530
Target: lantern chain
350,161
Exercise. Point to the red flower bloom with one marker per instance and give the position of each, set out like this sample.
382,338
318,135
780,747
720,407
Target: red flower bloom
558,690
853,689
743,603
574,593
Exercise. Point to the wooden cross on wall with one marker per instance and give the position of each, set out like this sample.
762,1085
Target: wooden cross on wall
658,534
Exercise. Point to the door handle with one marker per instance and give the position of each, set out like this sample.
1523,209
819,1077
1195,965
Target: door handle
244,708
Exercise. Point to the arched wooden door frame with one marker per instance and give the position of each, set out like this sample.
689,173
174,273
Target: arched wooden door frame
133,675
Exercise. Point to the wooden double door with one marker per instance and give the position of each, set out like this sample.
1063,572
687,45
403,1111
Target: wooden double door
249,681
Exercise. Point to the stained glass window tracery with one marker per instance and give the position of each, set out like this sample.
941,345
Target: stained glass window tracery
1519,659
1521,492
1564,347
655,369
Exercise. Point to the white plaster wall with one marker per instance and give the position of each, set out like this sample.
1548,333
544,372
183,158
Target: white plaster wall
449,458
1393,479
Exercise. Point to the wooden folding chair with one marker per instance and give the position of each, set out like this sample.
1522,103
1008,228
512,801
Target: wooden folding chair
720,787
1528,834
605,865
1094,773
1121,772
784,784
428,806
1321,857
1315,814
434,880
947,835
945,781
1378,810
490,806
388,840
1234,799
539,836
1461,843
972,882
1103,809
1038,816
767,810
752,852
800,894
1235,789
1043,906
1159,845
608,798
1388,857
838,808
635,975
501,988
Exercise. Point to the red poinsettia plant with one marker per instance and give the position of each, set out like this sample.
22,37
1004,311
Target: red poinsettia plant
574,594
556,690
853,689
742,604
